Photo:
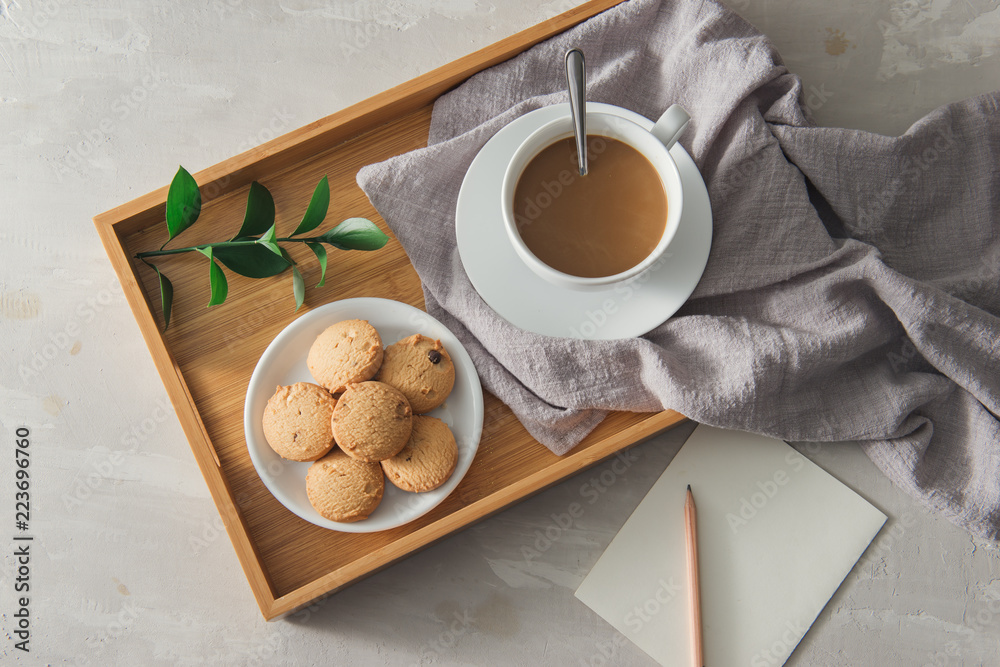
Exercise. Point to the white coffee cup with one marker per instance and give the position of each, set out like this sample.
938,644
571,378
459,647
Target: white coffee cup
653,144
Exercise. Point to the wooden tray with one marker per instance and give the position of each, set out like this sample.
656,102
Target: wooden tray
206,357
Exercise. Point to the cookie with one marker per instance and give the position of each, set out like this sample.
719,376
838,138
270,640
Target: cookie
344,489
372,421
346,352
428,459
421,368
297,421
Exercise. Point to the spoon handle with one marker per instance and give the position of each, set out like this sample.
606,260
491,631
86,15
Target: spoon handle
576,81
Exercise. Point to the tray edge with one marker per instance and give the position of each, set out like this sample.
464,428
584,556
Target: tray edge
568,465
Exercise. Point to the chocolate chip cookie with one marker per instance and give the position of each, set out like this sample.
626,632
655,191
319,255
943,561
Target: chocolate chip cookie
421,369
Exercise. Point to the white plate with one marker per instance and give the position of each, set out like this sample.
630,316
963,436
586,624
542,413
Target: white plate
521,297
284,363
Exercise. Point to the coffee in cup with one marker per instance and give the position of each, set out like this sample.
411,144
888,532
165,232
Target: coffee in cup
596,225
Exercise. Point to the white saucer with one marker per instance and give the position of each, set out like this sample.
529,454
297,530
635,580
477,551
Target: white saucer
524,299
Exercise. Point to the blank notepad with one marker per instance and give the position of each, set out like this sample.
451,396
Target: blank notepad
776,537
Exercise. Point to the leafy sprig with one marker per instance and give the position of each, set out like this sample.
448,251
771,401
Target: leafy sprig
255,250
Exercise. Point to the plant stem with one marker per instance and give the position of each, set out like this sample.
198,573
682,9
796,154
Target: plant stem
220,244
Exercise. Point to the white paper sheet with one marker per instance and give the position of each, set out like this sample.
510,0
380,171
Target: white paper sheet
776,537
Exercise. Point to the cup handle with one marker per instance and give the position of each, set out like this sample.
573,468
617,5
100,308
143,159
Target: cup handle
671,124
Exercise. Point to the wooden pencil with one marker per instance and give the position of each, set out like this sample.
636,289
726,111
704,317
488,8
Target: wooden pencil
691,531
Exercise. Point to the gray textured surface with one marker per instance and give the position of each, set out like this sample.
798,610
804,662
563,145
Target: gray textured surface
131,564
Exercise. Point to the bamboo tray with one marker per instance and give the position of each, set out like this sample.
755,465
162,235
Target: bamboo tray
206,357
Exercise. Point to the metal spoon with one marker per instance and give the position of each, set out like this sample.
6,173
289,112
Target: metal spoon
576,81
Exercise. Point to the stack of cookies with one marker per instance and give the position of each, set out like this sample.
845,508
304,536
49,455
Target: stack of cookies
363,421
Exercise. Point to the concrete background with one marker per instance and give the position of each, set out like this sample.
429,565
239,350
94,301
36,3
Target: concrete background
100,101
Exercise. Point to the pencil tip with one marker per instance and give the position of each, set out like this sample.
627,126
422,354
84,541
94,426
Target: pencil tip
689,487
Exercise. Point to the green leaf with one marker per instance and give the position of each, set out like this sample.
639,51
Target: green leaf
166,296
321,256
268,241
252,261
273,247
355,234
183,203
269,235
318,206
260,212
298,288
207,252
220,288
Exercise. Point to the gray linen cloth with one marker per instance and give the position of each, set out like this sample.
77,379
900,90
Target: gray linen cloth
852,288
